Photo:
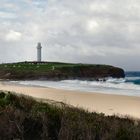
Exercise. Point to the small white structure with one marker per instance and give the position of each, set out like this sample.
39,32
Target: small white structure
39,47
53,68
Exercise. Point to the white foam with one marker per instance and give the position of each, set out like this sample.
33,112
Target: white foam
132,78
111,86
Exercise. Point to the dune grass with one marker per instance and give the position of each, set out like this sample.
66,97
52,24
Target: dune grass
26,119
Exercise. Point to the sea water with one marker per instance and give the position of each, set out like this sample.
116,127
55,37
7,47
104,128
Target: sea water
130,85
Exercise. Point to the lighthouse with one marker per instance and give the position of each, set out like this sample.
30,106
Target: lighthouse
39,47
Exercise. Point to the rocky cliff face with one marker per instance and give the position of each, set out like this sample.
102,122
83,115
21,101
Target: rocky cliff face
59,71
93,72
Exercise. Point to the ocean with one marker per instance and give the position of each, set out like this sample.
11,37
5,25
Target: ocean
130,85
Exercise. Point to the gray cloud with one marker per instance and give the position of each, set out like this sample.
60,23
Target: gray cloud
91,31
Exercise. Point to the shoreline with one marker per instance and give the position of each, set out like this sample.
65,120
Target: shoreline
114,87
108,104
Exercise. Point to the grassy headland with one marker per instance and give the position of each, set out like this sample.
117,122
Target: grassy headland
57,71
24,118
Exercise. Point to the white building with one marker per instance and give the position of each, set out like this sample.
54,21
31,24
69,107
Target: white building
39,47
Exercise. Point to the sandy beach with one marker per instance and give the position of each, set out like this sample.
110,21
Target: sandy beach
105,103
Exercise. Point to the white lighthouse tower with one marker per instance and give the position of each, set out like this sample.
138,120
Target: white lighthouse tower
39,47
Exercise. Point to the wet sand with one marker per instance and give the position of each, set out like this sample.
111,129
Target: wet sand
105,103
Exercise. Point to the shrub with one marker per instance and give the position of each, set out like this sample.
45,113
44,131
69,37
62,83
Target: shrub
24,118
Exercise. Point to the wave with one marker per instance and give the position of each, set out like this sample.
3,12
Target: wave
132,78
110,86
130,85
110,83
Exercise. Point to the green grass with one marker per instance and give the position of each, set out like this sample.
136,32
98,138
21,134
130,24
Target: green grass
24,66
24,118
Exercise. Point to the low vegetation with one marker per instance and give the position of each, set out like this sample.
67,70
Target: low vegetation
24,118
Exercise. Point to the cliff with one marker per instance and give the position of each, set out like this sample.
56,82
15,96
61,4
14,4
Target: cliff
58,71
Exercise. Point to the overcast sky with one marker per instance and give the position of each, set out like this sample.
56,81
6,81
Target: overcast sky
83,31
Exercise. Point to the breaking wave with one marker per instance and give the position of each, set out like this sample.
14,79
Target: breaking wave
128,86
